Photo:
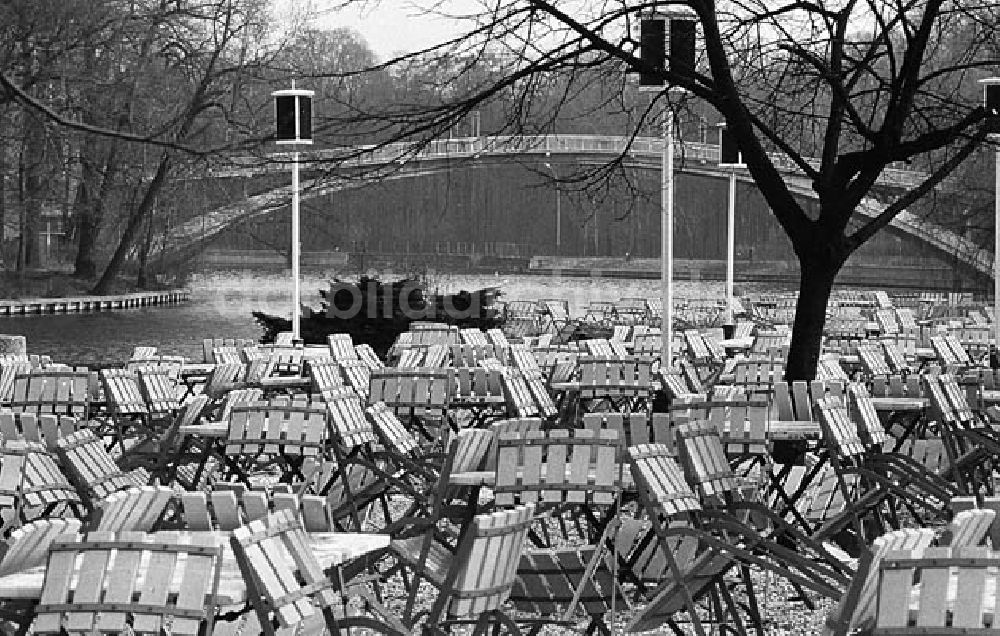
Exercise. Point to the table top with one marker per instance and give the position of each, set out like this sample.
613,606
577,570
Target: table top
793,430
897,404
331,549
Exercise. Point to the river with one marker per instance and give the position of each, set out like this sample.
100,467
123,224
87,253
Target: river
221,303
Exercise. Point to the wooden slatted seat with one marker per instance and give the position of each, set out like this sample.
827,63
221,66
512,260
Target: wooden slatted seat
122,393
28,545
517,393
227,355
470,355
56,392
474,580
915,591
758,375
129,582
278,432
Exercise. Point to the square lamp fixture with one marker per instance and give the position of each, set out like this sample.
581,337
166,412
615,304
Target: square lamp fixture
293,116
729,150
654,53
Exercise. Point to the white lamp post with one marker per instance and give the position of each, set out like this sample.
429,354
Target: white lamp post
991,102
293,119
653,42
730,157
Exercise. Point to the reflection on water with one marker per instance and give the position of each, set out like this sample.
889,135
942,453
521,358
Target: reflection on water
221,303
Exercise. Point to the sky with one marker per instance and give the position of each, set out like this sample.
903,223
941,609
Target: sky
391,26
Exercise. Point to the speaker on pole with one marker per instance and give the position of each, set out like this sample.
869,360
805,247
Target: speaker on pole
653,51
682,40
293,116
729,150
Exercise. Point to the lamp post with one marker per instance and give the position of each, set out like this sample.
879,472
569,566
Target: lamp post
653,42
293,119
730,157
991,101
555,177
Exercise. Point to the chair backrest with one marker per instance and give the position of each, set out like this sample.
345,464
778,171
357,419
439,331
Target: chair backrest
122,393
520,398
292,428
55,391
873,358
476,382
857,607
224,378
632,428
46,429
134,509
209,344
8,370
660,480
348,424
862,411
422,393
227,509
699,446
341,347
227,355
393,433
91,468
325,375
101,581
484,568
357,375
615,377
971,610
28,546
367,355
558,467
840,433
159,390
496,337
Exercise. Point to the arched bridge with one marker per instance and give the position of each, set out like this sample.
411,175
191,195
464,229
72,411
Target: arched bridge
356,167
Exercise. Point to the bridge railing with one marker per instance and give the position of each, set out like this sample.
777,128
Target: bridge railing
522,145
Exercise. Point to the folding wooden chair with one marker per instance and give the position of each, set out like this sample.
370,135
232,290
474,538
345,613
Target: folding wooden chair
875,485
129,582
479,396
733,503
525,362
9,369
474,579
32,486
286,585
325,375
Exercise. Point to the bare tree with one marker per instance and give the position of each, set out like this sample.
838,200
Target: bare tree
857,84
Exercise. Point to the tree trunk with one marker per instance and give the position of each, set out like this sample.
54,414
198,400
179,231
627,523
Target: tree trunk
90,210
132,227
34,182
815,283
